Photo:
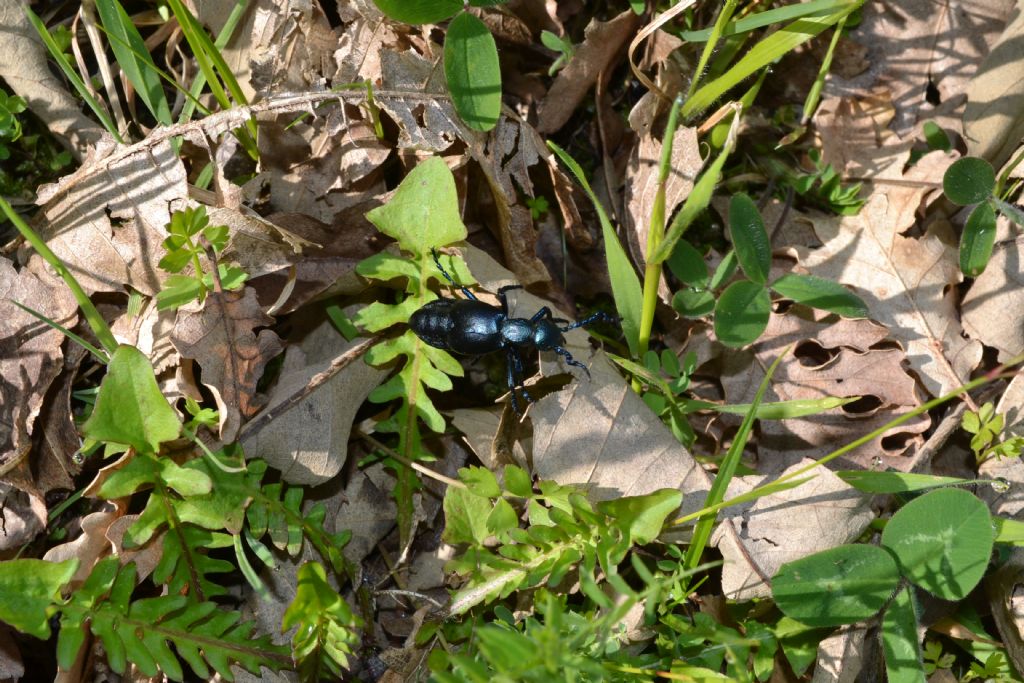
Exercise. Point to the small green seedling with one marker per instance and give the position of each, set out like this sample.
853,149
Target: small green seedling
968,181
562,46
191,234
742,309
987,429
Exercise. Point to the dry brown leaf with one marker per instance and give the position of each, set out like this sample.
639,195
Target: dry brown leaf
22,516
906,282
88,547
993,309
419,103
602,41
222,338
914,44
291,47
308,442
30,353
772,530
830,358
135,185
841,656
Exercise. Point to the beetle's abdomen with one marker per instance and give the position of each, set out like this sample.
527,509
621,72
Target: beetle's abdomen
477,328
434,322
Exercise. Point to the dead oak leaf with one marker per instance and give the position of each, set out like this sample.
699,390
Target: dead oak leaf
30,353
906,282
994,307
222,339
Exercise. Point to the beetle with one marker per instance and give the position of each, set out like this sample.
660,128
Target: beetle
473,328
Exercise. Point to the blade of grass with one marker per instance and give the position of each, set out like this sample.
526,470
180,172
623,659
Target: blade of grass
811,102
71,75
222,40
134,59
625,283
92,316
724,16
765,52
706,523
100,356
766,18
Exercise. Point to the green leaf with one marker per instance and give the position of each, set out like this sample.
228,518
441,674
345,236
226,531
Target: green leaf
30,588
894,482
418,11
836,586
978,239
687,264
1011,211
424,212
742,313
130,408
943,541
900,643
819,293
327,628
517,481
502,518
725,270
749,238
481,481
626,288
473,72
642,517
691,304
465,515
177,291
969,180
134,59
936,138
780,410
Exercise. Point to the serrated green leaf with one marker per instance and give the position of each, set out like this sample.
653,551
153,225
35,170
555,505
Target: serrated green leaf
178,290
517,481
30,589
129,407
465,516
473,72
481,481
424,212
819,293
642,517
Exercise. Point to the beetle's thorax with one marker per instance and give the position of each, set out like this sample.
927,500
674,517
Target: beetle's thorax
546,335
517,331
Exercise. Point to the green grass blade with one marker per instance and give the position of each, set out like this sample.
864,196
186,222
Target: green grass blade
761,19
100,356
72,76
222,40
765,52
133,58
724,16
92,316
625,283
706,523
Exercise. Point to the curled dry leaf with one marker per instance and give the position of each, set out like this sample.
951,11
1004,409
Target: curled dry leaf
304,434
222,338
30,353
831,357
772,530
135,186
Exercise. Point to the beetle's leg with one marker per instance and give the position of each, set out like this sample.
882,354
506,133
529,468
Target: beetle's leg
600,315
570,360
512,365
465,290
502,298
544,312
517,360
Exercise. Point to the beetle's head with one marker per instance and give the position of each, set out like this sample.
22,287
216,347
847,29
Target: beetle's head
546,335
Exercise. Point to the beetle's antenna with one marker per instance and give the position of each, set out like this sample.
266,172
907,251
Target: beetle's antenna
465,290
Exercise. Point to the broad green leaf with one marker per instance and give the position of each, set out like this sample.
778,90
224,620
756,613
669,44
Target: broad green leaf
642,517
749,238
418,11
969,180
725,270
481,481
30,588
424,212
129,407
626,288
687,264
517,481
742,313
943,541
692,304
894,482
765,52
936,137
978,239
134,59
820,293
465,516
1009,531
502,518
473,72
900,643
836,586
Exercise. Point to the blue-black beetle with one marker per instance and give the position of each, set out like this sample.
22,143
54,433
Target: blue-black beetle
471,327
